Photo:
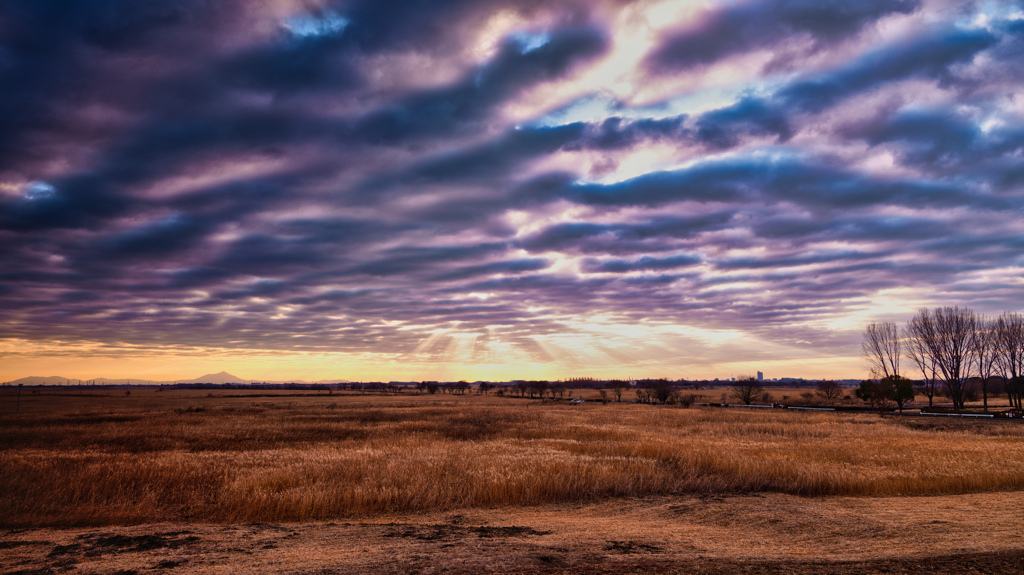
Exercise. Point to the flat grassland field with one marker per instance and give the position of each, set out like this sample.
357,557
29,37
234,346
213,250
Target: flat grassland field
305,482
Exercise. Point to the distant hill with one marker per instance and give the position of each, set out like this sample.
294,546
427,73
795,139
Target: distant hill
222,377
214,378
51,380
57,380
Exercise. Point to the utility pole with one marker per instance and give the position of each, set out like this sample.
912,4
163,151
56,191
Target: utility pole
18,408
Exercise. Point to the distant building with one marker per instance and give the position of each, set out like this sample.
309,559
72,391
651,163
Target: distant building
760,376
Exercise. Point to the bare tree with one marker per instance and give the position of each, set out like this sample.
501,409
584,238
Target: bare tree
617,386
881,346
829,391
917,350
538,387
748,390
1009,338
880,393
661,390
522,387
559,389
687,399
948,334
986,353
642,395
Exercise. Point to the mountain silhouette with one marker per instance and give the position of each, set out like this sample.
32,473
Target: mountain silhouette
221,377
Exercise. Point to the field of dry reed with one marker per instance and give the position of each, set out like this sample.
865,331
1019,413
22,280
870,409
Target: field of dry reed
189,456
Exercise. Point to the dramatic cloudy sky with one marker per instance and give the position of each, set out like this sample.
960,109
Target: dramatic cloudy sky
499,188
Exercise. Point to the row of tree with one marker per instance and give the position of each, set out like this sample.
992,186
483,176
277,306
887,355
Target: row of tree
950,346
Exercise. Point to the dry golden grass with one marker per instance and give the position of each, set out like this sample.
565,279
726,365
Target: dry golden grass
746,533
183,456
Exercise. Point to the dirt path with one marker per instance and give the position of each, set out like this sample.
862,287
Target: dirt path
982,533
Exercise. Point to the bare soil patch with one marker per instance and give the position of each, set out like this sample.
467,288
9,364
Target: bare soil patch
743,533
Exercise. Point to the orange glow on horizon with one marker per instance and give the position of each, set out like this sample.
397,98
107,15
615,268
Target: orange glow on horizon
92,361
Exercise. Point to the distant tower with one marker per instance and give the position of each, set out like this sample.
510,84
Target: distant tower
760,376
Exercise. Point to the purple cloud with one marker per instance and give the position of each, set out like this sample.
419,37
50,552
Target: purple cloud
396,179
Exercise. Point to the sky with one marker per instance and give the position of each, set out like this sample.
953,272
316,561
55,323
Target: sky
499,189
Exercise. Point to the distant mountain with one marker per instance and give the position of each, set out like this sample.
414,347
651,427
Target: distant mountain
222,377
52,380
216,378
57,380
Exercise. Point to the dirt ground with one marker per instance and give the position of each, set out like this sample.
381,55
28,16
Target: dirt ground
761,533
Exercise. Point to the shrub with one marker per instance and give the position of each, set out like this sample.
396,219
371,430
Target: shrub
687,399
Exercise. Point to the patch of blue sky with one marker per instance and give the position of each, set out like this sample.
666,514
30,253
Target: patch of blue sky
773,156
39,191
593,107
530,41
597,107
327,23
705,101
991,12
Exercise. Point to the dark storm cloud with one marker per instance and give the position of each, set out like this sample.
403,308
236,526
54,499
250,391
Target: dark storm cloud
945,141
655,234
502,267
645,263
500,160
928,56
468,102
355,176
487,162
403,261
291,65
789,260
53,53
167,236
79,202
743,27
751,116
807,182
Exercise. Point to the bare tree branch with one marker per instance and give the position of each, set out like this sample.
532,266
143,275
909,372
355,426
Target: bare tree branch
948,335
881,346
1009,341
917,350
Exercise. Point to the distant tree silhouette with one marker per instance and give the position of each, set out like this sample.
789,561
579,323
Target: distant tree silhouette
917,350
881,346
1009,341
948,335
829,391
662,390
986,353
893,389
643,395
558,389
538,387
617,386
748,390
873,394
521,387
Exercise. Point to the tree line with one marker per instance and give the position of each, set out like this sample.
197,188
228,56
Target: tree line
950,346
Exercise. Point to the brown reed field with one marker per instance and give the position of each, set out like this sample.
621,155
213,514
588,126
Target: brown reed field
79,459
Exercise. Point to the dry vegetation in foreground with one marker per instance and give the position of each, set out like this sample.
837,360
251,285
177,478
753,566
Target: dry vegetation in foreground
182,456
670,535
